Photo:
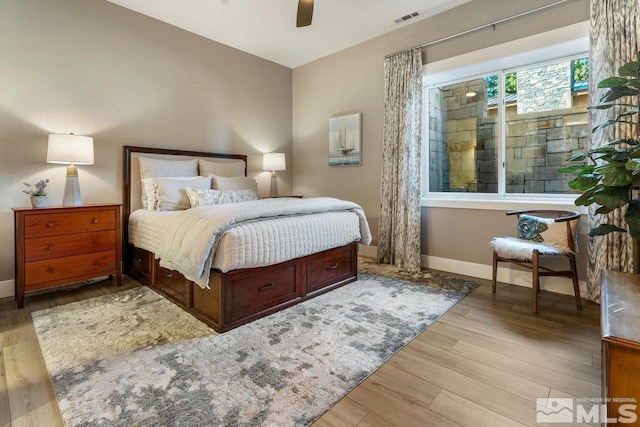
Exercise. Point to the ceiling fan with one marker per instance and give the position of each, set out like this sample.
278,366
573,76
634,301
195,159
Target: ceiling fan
305,13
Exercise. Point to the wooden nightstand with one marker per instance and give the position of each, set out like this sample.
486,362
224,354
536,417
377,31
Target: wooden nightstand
61,244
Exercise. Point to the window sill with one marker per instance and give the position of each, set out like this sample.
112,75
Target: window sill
503,203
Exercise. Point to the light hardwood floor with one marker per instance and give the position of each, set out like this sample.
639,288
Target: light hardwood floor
483,363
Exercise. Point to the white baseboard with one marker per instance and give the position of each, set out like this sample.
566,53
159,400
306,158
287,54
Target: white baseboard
7,288
368,251
561,285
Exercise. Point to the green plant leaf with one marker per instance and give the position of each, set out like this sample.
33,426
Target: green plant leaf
584,182
630,69
578,157
627,141
629,112
632,165
603,125
611,122
613,82
603,210
603,229
612,197
605,149
620,156
615,175
615,93
586,198
573,168
607,106
632,215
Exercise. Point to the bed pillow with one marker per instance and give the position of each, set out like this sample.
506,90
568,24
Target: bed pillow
171,194
221,167
236,183
149,190
209,197
153,168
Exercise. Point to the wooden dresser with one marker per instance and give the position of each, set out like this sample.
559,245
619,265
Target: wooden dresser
620,305
60,245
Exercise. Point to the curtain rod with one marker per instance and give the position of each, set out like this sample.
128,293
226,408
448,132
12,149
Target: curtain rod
481,27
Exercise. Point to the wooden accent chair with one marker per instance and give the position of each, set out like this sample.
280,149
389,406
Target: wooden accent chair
540,233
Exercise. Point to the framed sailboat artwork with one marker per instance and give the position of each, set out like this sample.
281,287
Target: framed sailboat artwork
345,144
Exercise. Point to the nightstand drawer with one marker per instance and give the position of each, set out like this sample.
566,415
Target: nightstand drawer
68,268
52,224
68,244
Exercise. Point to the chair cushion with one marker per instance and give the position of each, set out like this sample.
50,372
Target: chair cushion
521,249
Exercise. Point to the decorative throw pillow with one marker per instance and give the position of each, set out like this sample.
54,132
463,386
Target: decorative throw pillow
221,167
154,168
209,197
171,194
149,190
545,230
237,183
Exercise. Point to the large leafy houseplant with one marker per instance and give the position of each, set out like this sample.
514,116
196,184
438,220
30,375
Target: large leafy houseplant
608,175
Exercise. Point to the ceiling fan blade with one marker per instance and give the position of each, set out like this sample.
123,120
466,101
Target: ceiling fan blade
305,13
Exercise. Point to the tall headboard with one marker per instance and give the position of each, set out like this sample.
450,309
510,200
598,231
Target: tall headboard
131,186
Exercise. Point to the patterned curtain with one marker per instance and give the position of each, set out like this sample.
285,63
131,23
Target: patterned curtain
399,228
613,42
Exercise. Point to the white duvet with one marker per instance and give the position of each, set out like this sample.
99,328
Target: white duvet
192,235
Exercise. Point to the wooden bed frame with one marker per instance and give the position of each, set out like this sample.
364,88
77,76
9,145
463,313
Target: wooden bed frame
239,296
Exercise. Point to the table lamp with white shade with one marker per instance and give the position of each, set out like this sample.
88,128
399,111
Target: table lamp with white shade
274,162
71,150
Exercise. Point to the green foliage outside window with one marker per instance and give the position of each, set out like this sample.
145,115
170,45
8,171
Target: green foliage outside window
580,69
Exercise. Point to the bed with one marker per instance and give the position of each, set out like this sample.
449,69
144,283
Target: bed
262,256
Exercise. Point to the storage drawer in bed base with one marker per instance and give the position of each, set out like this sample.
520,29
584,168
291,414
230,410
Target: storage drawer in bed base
241,296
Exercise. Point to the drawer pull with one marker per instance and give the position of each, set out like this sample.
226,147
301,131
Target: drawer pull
50,247
138,259
331,267
95,241
95,220
266,287
50,270
51,224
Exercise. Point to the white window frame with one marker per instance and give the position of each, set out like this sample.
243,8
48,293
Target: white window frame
451,71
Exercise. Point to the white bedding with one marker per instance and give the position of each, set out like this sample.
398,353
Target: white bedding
247,242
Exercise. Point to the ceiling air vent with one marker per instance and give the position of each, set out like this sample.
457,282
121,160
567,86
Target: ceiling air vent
408,16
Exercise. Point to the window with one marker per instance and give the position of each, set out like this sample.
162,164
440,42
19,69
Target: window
504,132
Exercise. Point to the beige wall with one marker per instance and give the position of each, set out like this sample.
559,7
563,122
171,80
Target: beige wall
352,81
93,68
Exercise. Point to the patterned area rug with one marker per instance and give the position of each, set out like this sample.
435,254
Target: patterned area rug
133,358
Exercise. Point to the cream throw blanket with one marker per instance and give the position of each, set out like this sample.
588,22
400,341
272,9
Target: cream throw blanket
188,244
